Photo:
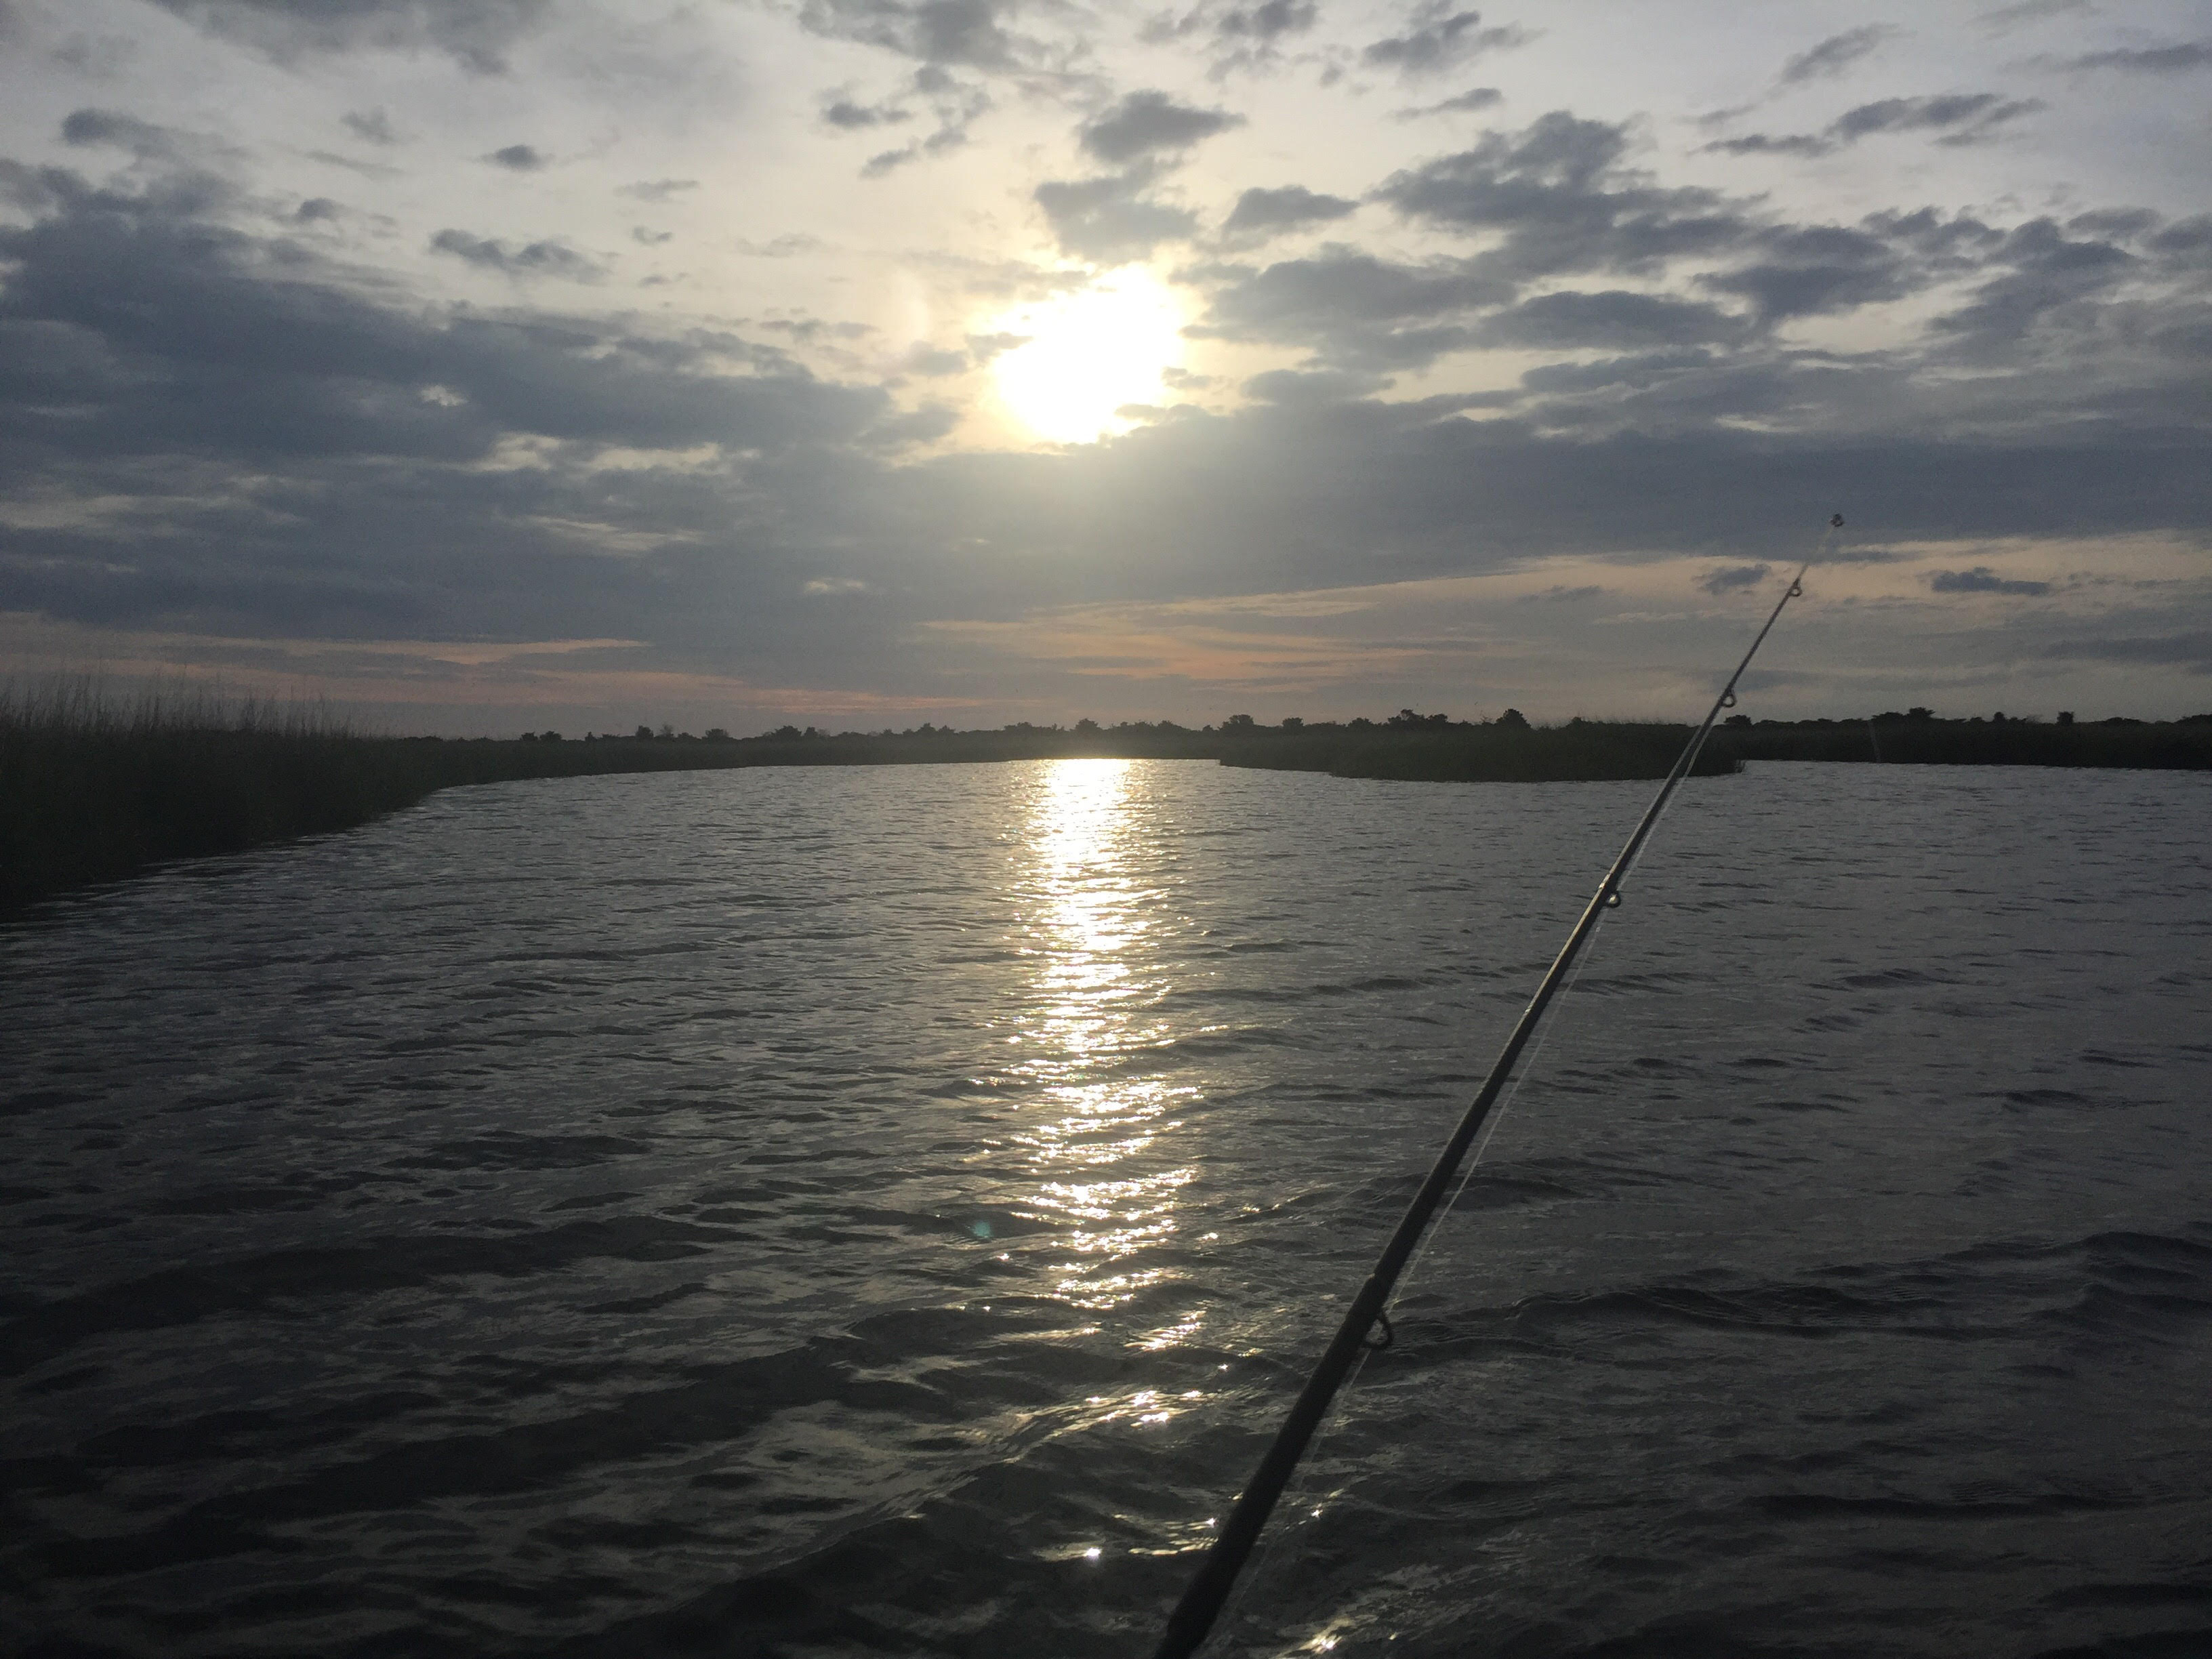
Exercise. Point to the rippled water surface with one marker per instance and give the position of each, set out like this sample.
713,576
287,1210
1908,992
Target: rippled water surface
885,1210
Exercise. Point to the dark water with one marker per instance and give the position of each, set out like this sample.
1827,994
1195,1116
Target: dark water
840,1212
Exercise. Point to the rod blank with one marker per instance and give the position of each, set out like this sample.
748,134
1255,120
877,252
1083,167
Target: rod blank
1201,1604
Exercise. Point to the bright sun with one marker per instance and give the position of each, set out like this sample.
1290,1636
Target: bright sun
1089,352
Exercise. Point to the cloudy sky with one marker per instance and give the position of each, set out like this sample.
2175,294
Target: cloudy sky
497,364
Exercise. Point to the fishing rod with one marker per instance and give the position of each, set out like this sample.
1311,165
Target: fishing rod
1216,1575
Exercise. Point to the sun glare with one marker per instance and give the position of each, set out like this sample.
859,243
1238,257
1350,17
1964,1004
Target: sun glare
1089,352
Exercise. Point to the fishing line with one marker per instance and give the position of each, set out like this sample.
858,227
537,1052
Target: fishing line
1225,1559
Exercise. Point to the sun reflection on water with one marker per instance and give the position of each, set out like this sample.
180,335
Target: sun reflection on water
1096,1137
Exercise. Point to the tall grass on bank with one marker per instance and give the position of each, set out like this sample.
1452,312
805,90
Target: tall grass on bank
94,786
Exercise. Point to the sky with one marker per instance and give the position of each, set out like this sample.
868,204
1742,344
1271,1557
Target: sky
484,366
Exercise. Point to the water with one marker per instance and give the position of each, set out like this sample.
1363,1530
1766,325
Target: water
884,1212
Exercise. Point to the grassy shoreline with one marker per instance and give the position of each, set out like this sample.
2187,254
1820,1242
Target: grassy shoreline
90,793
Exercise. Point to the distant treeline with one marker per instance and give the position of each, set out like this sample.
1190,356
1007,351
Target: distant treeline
1917,738
92,789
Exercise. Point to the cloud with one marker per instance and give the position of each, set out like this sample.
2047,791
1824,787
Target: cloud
961,32
1354,310
85,127
1269,22
1962,118
1767,143
536,259
2148,60
2192,651
657,190
933,360
1558,193
1108,220
1805,270
1240,37
982,348
1834,55
925,425
2043,271
1981,580
849,117
1466,103
1250,37
259,399
1292,386
1977,112
1145,123
956,104
371,126
2004,19
821,588
1259,213
1614,320
474,32
1441,38
1555,210
354,164
1728,578
520,158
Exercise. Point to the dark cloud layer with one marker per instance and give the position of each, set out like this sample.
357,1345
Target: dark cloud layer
1441,38
970,33
1464,103
1109,219
476,32
2149,60
1261,212
148,349
1728,578
1834,55
849,117
99,126
177,346
1983,580
1560,195
371,126
1145,123
2191,650
1961,119
534,259
1555,205
1238,39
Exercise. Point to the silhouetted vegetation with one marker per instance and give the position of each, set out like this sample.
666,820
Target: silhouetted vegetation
1435,748
92,788
1916,737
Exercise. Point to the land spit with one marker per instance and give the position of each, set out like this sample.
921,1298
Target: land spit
89,795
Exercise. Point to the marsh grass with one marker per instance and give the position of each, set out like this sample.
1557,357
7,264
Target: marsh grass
95,785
